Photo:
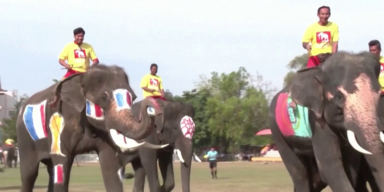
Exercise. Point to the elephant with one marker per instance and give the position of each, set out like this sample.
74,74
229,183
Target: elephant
78,115
174,127
326,124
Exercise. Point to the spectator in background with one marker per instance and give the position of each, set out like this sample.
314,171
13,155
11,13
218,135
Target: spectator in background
212,159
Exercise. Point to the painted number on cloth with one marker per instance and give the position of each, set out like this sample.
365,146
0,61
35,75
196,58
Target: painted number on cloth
187,126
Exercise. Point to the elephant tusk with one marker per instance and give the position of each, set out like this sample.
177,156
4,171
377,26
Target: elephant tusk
196,157
178,152
382,136
152,146
124,143
352,140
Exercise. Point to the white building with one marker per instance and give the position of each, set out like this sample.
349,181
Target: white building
7,105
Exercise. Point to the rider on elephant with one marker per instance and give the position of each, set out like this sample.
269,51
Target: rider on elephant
321,37
152,84
375,48
77,54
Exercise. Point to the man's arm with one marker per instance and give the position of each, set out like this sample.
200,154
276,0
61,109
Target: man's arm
335,46
161,87
335,39
144,84
307,38
64,56
93,56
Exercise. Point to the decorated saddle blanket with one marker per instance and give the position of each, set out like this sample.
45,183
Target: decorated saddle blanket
292,121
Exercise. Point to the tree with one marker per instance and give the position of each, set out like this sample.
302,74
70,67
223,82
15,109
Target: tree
297,63
237,107
9,124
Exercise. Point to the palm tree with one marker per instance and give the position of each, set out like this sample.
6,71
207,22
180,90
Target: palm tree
297,63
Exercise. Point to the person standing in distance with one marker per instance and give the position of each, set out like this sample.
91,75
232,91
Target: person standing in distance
321,37
375,48
212,159
77,54
152,84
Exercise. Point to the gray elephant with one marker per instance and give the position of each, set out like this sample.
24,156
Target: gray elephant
318,118
78,115
175,129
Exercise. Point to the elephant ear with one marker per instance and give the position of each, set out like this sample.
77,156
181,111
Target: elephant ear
307,90
69,91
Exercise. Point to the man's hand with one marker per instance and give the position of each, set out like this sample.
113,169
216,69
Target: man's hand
67,66
309,47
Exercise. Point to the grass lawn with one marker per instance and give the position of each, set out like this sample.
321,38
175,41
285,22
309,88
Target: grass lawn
233,177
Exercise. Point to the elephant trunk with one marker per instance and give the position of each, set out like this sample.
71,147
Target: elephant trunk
185,147
362,121
124,121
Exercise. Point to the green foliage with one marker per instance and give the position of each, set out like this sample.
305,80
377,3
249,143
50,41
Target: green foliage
8,128
297,63
235,108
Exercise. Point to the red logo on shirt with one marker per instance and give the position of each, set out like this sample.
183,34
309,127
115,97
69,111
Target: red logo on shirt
153,82
323,37
79,53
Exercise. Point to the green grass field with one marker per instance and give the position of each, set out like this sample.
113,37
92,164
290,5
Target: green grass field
233,177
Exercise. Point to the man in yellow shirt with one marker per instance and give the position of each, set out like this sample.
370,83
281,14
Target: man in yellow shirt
77,54
152,84
321,37
375,48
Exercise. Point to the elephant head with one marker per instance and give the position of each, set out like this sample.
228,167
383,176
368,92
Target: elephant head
343,93
103,95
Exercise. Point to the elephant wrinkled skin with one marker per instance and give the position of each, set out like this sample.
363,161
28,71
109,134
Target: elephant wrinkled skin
76,116
342,96
174,127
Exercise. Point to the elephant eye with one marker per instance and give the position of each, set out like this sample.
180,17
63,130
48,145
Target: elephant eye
339,99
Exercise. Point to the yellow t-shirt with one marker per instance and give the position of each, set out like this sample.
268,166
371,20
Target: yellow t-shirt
151,82
321,37
381,76
78,58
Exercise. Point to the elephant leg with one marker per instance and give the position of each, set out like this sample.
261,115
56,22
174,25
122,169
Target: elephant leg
50,169
111,169
166,168
293,163
139,175
29,169
61,172
365,175
317,184
326,146
148,159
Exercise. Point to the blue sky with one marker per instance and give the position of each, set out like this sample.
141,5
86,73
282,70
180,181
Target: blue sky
185,38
